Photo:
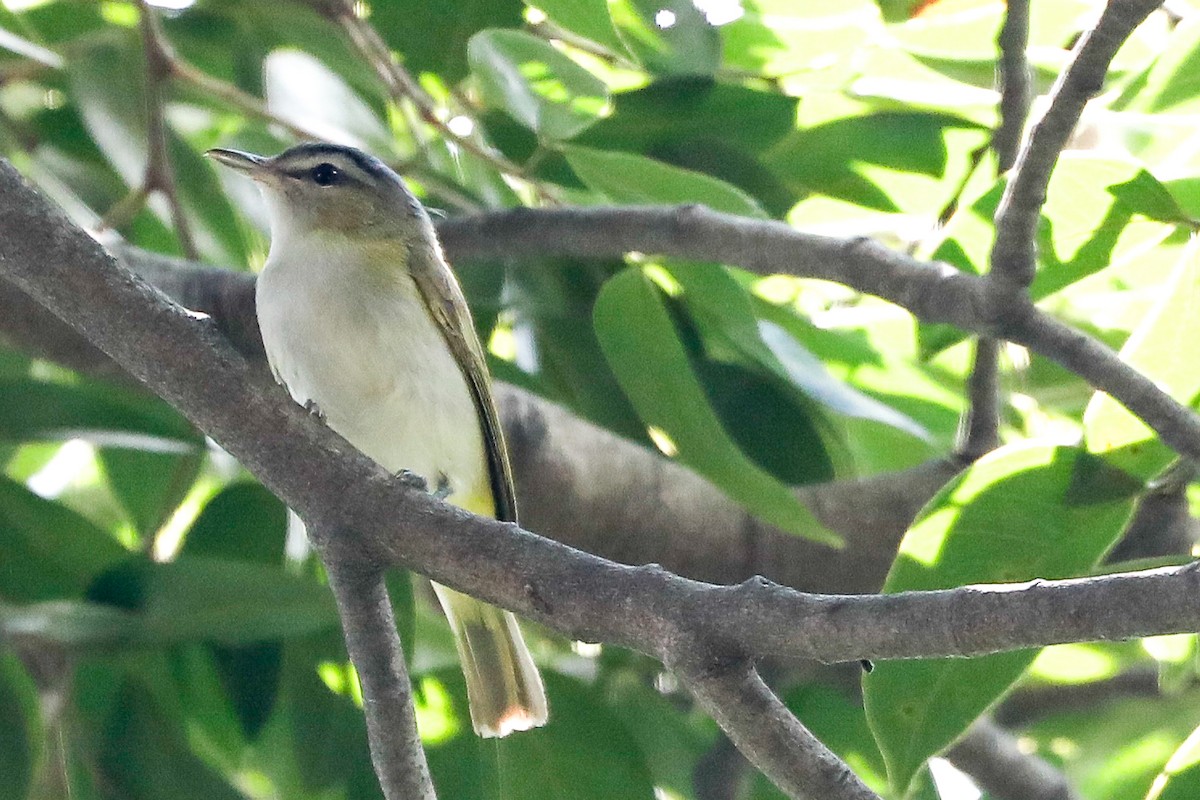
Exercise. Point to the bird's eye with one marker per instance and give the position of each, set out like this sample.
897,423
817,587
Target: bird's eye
326,174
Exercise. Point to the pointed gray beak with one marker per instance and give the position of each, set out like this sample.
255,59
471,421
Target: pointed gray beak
246,163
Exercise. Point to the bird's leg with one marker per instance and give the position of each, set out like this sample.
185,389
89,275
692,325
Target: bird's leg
443,489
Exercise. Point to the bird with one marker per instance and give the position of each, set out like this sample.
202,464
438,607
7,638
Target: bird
365,324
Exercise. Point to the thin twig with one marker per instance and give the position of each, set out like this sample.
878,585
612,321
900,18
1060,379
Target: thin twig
400,84
1014,257
378,657
160,173
980,430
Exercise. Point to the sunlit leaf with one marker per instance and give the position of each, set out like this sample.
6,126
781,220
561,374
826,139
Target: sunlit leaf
1007,518
1160,349
644,351
536,84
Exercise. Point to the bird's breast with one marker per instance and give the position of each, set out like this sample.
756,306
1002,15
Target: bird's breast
369,357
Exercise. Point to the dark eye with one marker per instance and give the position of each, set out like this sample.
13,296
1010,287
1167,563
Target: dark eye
326,174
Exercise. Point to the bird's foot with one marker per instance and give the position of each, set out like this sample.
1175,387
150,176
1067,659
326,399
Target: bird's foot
312,408
410,478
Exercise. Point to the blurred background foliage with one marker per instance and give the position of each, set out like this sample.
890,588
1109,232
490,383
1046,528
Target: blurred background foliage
168,633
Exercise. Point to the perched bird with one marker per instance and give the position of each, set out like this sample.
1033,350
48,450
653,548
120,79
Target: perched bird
365,324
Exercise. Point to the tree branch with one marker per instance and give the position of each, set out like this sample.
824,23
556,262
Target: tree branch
991,756
185,360
1014,259
769,734
376,652
981,426
578,483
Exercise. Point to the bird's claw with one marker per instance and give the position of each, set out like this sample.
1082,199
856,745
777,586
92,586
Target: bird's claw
410,478
443,489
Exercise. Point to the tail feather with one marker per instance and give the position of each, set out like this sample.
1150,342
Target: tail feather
504,689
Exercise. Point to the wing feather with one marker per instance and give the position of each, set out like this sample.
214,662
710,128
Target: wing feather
448,309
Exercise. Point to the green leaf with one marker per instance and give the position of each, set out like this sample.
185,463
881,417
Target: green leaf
244,522
107,81
644,351
1180,778
59,552
434,37
583,738
714,296
148,485
70,624
678,114
1160,349
1005,519
537,85
668,36
588,18
144,755
890,161
783,38
304,91
633,179
213,600
20,719
1173,83
1150,198
32,409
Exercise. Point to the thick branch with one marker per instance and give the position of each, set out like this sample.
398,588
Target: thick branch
1013,255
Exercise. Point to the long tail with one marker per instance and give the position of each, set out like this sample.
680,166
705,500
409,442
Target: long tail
504,689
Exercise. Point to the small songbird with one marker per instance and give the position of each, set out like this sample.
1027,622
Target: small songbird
365,324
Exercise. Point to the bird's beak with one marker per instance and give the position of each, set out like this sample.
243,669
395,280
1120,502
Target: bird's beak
246,163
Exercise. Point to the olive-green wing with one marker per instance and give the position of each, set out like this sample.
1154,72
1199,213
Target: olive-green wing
448,308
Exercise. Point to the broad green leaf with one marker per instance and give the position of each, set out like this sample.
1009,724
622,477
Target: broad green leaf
668,36
434,37
1145,195
1009,517
712,294
32,409
633,179
20,719
107,81
1161,349
674,115
583,738
1180,778
1100,213
149,485
1173,83
58,551
70,624
890,161
671,743
650,362
244,522
302,90
588,18
537,85
214,600
145,755
780,38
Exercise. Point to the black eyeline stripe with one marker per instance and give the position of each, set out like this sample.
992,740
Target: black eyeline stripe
314,152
